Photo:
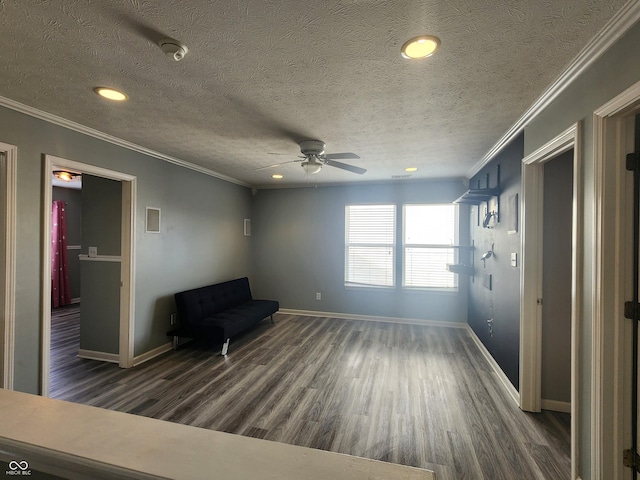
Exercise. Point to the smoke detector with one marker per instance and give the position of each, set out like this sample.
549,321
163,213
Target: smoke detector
173,48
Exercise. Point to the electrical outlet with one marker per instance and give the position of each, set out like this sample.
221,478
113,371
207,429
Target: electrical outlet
173,319
93,251
318,296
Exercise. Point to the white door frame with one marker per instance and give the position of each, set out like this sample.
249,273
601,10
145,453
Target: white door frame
532,211
127,298
610,374
8,264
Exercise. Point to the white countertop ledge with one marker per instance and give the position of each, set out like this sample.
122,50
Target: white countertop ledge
78,441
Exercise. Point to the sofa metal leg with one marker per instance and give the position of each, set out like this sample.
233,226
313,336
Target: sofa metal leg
271,316
225,347
176,341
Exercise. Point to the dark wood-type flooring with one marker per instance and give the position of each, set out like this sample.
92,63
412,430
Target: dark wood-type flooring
414,395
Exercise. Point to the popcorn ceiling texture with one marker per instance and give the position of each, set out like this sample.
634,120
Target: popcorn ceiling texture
262,75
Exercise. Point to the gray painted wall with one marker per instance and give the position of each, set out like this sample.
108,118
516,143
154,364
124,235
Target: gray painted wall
616,70
298,250
73,209
502,302
201,240
100,281
101,215
100,306
556,279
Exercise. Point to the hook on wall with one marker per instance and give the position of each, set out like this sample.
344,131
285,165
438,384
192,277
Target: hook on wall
485,255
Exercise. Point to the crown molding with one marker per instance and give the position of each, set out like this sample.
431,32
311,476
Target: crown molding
77,127
613,30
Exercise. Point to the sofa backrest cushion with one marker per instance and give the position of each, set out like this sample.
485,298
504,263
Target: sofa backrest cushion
194,305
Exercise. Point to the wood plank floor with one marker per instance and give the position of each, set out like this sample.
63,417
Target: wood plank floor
414,395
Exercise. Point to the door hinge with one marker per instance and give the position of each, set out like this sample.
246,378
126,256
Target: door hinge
631,459
633,161
632,311
538,301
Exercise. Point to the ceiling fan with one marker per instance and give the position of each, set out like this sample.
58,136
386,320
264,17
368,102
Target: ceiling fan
314,158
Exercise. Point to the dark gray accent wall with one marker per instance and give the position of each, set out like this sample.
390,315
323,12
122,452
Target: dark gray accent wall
73,209
298,250
201,241
556,278
501,304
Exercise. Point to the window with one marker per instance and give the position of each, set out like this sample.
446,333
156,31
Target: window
429,233
370,245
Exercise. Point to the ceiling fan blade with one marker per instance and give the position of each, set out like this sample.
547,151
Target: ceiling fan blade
345,155
344,166
276,165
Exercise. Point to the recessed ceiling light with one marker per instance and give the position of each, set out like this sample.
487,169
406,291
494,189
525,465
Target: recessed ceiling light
110,94
277,176
420,47
411,169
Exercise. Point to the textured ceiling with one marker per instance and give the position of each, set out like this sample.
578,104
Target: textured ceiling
262,75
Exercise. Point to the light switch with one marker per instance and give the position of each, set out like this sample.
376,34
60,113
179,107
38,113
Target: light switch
514,259
93,251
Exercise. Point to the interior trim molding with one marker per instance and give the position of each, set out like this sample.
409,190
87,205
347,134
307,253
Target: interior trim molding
609,349
156,352
77,127
128,255
100,258
556,406
101,356
372,318
613,30
504,380
531,270
9,192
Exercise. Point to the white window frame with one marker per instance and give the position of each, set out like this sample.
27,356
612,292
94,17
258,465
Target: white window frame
348,278
449,246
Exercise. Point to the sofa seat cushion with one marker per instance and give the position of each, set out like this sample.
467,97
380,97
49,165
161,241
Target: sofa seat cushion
236,319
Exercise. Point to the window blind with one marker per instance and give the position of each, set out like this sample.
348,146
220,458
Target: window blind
370,245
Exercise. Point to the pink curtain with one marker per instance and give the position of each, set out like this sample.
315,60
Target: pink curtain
60,289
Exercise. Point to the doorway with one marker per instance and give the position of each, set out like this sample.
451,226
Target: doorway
531,280
556,283
126,260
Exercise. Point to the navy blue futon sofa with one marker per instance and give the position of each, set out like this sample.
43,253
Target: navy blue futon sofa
220,311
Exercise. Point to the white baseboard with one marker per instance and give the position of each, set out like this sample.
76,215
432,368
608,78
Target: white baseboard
371,318
75,300
102,356
506,383
556,406
145,357
115,358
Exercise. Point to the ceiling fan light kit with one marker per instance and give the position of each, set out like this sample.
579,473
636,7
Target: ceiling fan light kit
311,166
65,175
